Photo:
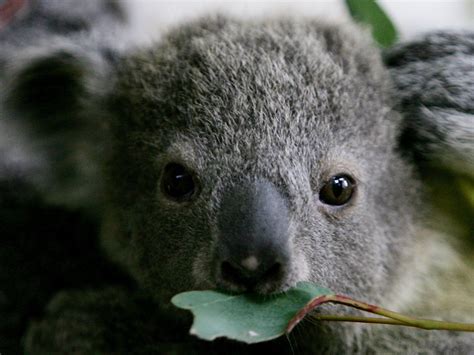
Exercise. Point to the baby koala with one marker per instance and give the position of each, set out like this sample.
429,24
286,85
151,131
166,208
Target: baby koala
241,156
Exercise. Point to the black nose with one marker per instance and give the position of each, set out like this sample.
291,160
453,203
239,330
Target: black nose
253,247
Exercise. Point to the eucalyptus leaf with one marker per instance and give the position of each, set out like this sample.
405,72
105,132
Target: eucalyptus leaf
370,13
245,317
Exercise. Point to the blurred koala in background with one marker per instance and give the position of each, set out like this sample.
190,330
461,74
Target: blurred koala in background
243,156
44,247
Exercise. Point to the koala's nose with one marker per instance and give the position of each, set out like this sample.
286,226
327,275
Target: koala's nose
253,246
250,273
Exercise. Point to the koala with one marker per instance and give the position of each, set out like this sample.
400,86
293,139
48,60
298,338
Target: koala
42,241
247,156
40,27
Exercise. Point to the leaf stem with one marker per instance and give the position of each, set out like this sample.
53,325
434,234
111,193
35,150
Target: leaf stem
387,321
378,320
394,317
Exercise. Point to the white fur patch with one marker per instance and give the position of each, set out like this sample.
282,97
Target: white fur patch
251,263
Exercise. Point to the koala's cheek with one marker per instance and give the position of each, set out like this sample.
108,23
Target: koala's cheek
300,268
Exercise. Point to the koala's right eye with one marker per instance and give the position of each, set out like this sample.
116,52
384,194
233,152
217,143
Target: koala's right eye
338,190
178,183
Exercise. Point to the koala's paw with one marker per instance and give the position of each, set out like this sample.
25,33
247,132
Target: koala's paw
75,322
104,321
111,320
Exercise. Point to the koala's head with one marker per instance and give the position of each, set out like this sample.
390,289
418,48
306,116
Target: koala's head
251,156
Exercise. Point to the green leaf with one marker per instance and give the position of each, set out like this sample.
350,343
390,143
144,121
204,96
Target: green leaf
254,318
245,317
369,12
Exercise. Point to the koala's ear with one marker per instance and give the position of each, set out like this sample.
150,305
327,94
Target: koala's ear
49,90
46,88
434,83
56,99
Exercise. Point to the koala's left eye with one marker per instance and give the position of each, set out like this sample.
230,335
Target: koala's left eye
178,183
338,190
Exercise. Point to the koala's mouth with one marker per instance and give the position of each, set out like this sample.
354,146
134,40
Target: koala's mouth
210,272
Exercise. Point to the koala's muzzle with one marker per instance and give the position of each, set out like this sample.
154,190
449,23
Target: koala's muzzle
253,250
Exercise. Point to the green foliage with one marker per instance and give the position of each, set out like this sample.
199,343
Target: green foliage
252,318
245,317
370,13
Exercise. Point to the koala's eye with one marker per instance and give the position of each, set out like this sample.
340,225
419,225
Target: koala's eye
338,190
178,183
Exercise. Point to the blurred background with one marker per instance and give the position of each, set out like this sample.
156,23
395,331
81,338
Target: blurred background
411,17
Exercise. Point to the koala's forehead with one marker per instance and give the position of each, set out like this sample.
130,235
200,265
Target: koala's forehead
234,83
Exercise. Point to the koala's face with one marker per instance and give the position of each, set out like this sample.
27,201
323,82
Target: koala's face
251,157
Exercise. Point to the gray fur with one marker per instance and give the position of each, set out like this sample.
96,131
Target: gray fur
433,78
285,102
434,86
55,35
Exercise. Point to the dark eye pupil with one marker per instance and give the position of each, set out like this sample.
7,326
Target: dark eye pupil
339,185
337,191
177,182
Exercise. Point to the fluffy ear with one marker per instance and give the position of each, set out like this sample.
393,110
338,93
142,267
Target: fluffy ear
47,90
54,62
434,84
54,98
